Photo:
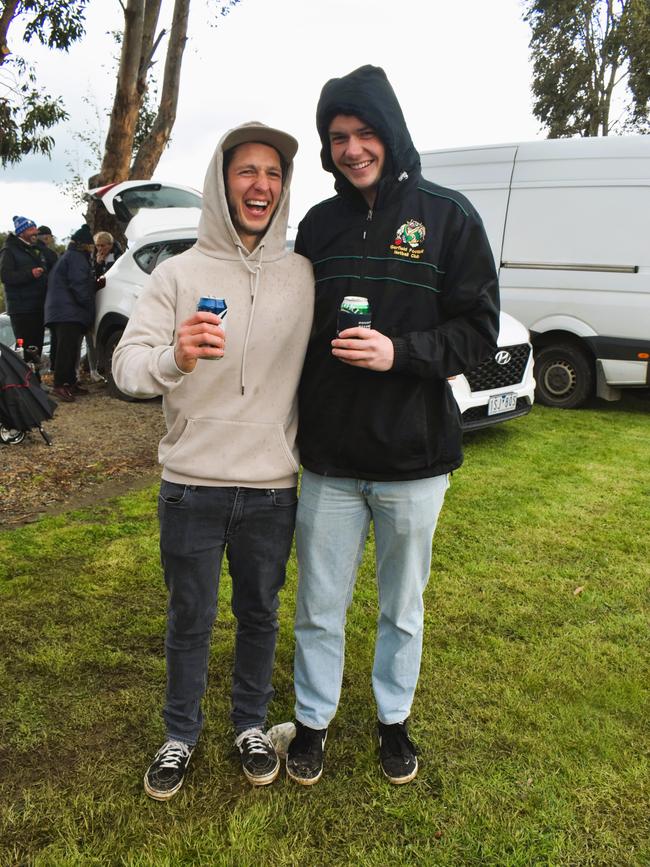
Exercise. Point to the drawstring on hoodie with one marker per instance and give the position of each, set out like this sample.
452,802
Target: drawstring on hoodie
254,280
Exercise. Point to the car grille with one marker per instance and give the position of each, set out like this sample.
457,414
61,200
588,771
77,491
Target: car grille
490,375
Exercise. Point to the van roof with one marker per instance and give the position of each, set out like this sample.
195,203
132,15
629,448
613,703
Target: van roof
559,148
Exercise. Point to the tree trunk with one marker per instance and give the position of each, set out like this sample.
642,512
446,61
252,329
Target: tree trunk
152,147
6,18
117,150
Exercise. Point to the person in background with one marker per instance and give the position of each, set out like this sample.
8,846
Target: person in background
107,251
70,310
379,429
23,271
230,466
45,242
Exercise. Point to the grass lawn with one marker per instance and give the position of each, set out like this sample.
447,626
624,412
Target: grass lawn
531,714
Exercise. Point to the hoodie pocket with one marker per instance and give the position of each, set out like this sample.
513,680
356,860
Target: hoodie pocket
231,451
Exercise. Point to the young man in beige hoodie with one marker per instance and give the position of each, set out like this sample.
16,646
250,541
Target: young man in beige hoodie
229,458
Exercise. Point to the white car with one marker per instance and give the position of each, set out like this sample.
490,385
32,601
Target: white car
161,220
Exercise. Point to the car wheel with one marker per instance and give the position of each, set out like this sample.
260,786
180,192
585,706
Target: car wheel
109,348
11,436
564,376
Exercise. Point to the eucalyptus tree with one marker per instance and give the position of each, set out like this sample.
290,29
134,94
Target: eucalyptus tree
27,111
139,130
591,65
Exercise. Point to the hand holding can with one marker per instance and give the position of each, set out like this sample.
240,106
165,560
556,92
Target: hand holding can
218,306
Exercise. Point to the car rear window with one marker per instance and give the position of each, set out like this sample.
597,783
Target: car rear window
154,196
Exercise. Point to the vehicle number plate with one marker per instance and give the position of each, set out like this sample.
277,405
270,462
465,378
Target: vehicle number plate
502,403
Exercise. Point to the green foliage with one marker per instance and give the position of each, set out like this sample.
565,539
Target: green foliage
531,712
27,111
585,53
54,24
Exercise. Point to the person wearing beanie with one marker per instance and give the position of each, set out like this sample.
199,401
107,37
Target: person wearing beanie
379,430
23,272
70,310
44,241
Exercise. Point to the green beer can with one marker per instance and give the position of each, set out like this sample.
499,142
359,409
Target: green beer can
354,312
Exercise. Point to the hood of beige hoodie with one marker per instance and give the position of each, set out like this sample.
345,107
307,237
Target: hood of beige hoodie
217,236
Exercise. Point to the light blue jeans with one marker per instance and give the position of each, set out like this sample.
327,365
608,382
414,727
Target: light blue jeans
332,525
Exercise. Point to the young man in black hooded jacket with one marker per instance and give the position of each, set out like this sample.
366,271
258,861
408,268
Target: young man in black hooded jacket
379,429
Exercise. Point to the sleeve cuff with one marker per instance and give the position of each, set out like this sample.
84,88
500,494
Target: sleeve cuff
401,359
169,370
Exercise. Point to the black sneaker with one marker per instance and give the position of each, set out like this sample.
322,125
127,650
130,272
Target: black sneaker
259,760
166,773
305,755
397,753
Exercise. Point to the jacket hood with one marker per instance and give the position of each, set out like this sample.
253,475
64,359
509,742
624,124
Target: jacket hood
217,237
367,94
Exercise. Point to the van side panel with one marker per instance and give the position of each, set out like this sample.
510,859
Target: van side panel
483,175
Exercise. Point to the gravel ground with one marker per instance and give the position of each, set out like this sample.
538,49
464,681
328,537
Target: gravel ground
101,447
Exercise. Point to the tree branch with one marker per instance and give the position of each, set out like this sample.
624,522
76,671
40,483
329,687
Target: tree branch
6,18
151,149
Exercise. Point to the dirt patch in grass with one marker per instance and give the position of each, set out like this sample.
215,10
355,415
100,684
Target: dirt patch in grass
100,448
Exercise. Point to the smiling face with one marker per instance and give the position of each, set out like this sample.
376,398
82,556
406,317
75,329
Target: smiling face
358,153
253,190
30,235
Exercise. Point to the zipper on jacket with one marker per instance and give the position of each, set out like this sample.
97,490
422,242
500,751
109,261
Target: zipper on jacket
365,239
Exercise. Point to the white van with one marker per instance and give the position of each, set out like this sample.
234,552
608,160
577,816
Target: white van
569,225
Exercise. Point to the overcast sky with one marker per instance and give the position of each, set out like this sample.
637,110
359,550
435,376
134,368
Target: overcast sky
460,70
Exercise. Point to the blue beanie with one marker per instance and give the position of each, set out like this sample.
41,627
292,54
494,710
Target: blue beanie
22,223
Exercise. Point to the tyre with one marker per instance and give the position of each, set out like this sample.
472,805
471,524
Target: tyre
11,436
109,348
564,375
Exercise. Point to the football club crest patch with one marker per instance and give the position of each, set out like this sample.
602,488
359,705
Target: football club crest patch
409,240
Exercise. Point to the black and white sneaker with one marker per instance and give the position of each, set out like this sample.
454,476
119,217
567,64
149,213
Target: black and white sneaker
305,755
166,773
259,760
397,753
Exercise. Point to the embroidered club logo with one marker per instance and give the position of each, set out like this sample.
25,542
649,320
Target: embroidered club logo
409,239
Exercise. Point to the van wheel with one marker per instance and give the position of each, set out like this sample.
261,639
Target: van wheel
109,349
564,376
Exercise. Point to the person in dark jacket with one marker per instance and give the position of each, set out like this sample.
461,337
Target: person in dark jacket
107,252
379,429
44,241
70,309
23,271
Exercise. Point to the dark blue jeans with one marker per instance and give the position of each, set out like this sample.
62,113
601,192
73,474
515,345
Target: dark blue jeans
255,528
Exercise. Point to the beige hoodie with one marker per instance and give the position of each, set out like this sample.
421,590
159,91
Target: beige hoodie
231,421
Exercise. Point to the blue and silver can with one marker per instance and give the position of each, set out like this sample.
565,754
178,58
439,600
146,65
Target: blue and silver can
211,304
218,306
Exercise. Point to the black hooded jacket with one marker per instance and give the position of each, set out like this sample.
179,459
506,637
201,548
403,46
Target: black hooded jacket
422,258
24,292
